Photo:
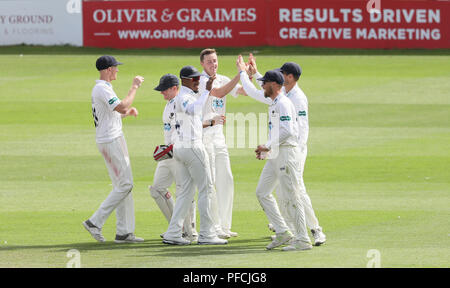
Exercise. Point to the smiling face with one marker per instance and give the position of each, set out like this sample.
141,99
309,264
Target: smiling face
210,64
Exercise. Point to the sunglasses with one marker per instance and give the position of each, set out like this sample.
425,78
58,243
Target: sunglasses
196,78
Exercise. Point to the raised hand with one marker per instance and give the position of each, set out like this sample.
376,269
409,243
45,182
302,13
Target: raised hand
137,81
240,64
210,82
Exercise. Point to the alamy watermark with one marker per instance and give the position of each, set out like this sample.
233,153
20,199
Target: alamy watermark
373,6
74,259
374,256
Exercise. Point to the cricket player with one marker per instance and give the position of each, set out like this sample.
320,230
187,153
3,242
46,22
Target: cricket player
214,141
108,111
165,170
291,73
191,160
282,166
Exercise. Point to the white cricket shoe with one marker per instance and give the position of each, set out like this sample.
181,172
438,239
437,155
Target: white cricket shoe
192,238
319,236
128,238
96,232
297,246
175,240
232,234
222,235
280,239
211,241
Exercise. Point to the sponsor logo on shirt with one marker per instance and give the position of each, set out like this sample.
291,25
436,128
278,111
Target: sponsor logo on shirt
113,100
301,113
167,126
217,103
285,118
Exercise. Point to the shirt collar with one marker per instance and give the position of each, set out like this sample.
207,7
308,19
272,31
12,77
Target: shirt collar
103,81
292,91
188,90
275,101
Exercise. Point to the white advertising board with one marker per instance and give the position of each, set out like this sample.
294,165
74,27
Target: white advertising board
41,22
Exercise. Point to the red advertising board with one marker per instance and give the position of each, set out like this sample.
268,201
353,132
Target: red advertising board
142,24
309,23
361,24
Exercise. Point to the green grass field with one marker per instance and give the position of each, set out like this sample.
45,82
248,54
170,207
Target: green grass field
377,170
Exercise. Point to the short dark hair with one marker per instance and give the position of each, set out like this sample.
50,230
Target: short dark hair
205,52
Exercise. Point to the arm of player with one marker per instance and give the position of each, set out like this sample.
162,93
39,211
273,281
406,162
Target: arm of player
285,125
216,120
248,86
125,105
225,89
253,70
251,90
197,106
131,112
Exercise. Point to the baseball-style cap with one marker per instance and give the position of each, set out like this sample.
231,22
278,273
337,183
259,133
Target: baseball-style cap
167,81
291,68
273,76
106,61
189,72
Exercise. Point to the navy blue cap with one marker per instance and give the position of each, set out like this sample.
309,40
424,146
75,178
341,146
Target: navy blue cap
167,81
273,76
106,61
189,72
291,68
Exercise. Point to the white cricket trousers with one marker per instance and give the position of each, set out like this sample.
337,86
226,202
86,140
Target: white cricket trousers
222,178
117,161
192,170
163,178
311,220
283,171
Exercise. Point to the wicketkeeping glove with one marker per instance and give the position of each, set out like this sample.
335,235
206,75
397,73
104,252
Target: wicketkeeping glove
163,152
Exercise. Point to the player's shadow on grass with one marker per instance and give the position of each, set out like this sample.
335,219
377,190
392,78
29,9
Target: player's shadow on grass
155,247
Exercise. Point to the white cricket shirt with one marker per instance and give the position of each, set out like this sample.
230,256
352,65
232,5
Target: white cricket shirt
188,113
215,106
108,123
300,102
169,122
283,127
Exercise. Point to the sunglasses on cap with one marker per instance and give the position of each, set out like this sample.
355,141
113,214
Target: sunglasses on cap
196,78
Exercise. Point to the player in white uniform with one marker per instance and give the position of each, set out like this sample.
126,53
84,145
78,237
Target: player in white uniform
165,170
282,166
108,111
291,73
214,140
192,165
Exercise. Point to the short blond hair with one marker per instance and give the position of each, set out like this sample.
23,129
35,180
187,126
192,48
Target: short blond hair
205,52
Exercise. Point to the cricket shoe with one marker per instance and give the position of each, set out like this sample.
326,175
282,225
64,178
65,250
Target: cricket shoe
280,239
222,235
192,238
211,241
271,228
128,238
175,240
231,233
297,245
319,236
94,230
